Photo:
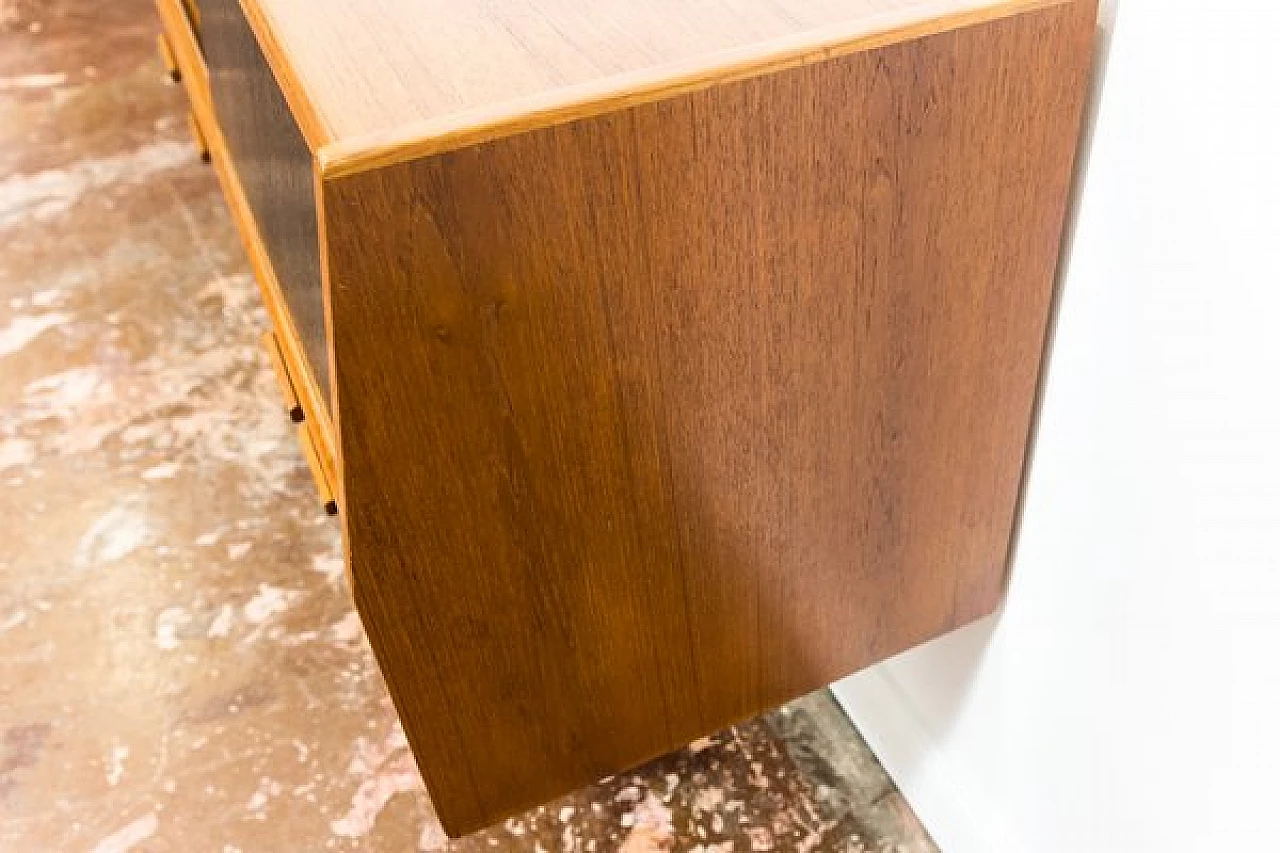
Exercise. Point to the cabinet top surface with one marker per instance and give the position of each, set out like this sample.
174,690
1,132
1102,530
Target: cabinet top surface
382,75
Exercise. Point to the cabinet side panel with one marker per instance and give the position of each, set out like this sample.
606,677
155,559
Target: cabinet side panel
656,420
275,169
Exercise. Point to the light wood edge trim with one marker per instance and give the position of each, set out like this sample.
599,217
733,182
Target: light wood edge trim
335,401
306,437
272,346
448,133
192,9
167,58
186,52
198,136
335,404
315,130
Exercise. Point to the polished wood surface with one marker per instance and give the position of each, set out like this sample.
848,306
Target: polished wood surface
195,80
654,420
274,166
386,75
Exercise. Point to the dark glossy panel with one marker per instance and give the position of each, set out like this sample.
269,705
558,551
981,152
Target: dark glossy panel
274,165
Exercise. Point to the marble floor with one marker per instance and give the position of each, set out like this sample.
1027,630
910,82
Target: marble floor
180,666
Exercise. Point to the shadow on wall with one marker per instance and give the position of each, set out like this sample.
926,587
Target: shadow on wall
1089,126
955,661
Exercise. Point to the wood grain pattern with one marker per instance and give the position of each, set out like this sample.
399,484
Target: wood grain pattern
655,420
597,96
192,8
385,75
195,79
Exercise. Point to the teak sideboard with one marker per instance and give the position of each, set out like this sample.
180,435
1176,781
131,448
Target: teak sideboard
662,361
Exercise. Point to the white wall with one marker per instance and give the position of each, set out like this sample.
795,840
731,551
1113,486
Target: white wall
1128,696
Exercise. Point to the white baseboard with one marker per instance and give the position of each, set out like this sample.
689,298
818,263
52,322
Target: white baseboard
957,813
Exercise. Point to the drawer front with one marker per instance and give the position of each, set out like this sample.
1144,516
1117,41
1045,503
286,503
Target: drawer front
274,166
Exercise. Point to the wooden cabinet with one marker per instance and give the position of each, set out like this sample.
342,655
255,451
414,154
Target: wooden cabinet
666,361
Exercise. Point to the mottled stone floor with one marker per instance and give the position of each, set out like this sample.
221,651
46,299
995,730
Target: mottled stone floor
180,666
